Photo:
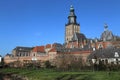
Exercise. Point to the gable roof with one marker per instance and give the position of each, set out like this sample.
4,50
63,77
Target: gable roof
38,49
107,36
53,50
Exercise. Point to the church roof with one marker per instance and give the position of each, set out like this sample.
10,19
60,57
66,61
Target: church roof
107,36
79,37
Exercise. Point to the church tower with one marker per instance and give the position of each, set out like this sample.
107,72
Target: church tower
72,26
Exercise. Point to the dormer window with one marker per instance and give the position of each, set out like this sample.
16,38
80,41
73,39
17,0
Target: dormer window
100,46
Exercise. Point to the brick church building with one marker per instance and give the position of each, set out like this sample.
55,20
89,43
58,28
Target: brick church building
75,39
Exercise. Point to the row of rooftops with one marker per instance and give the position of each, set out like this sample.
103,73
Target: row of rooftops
38,48
80,37
56,47
59,50
42,49
106,35
59,47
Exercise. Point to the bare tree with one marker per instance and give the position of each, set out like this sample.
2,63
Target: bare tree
69,62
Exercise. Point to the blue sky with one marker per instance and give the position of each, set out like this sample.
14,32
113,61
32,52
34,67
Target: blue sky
39,22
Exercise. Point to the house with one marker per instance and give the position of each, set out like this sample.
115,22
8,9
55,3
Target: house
111,55
39,53
18,54
48,47
22,51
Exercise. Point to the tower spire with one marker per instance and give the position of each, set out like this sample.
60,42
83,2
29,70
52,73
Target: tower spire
72,26
72,17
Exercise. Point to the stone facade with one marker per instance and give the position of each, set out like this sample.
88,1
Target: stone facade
70,31
28,54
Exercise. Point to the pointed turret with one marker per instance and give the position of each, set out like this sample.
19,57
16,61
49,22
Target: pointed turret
107,35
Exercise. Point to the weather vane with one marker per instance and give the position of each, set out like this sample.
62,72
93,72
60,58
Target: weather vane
105,26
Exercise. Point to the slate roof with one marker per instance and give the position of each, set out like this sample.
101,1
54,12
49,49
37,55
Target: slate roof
79,37
56,45
105,53
107,35
10,55
72,11
19,48
117,38
70,49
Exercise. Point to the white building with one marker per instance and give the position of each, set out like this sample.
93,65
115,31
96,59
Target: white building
0,58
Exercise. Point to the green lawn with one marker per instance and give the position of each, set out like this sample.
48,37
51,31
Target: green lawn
48,74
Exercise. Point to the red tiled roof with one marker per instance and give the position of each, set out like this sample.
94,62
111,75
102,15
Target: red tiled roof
53,50
48,46
39,49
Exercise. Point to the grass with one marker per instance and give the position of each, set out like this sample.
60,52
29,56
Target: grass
48,74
